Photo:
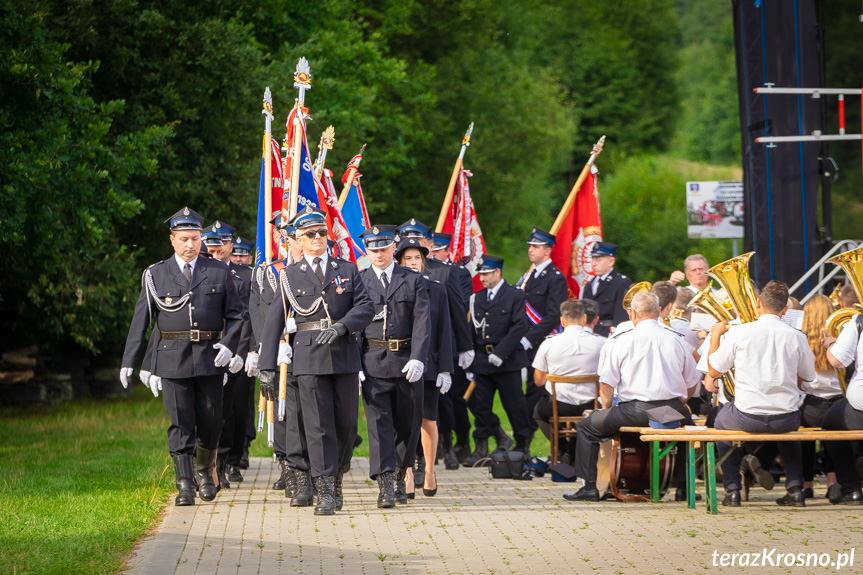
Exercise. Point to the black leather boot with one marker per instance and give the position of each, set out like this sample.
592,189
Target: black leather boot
400,489
480,453
282,481
185,480
462,451
206,461
420,473
338,497
504,441
326,500
234,473
303,496
222,473
386,497
290,482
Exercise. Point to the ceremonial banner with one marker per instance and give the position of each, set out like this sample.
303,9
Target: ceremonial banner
581,228
467,247
343,244
308,191
265,213
356,216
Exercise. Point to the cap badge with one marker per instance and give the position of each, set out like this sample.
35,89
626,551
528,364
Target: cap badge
308,209
186,211
413,222
375,230
217,225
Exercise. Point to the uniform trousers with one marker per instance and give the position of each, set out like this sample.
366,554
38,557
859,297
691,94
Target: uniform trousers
453,408
811,413
329,405
394,410
252,421
508,385
603,425
235,399
842,416
290,434
729,417
194,406
543,413
532,392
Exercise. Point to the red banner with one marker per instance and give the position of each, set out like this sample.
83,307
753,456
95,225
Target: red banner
467,246
275,207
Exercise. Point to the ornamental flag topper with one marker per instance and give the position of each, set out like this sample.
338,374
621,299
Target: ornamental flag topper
303,78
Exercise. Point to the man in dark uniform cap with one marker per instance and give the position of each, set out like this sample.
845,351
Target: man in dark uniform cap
499,321
198,319
545,289
607,288
331,306
243,252
394,350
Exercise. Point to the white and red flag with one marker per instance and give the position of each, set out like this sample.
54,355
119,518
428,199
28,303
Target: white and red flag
467,246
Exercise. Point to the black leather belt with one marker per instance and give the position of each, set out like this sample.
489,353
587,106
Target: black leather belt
489,349
389,344
773,417
318,325
192,335
814,399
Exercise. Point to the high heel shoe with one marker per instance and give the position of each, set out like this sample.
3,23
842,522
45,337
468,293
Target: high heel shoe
431,492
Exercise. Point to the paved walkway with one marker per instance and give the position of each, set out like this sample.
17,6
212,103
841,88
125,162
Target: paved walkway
481,525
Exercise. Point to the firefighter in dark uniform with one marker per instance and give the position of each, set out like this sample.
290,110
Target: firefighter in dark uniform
607,288
499,321
199,317
545,289
331,307
289,437
439,365
395,350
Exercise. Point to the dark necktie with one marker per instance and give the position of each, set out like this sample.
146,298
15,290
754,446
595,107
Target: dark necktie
385,281
318,271
187,273
490,296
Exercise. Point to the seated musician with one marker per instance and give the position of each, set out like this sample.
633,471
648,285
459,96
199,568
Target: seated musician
572,353
770,360
649,366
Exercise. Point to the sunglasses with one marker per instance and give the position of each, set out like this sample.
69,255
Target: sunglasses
311,234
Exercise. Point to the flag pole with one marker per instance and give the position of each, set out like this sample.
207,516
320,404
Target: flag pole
268,171
570,200
303,82
450,189
352,173
328,138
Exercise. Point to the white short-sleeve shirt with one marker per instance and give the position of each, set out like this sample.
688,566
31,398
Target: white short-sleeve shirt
575,351
847,349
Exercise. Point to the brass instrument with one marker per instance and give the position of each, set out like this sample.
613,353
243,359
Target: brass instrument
851,263
676,313
634,289
834,296
708,303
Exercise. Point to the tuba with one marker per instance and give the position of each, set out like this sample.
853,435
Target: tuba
708,303
634,289
851,263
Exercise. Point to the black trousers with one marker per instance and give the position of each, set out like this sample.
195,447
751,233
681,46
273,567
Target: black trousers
729,417
453,408
811,413
508,385
542,413
842,416
532,392
603,425
235,400
394,414
330,405
252,421
194,405
289,436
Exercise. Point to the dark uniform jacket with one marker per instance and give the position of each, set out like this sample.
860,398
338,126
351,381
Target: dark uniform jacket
545,294
264,282
441,354
455,296
465,281
348,303
401,312
214,305
609,296
242,280
505,324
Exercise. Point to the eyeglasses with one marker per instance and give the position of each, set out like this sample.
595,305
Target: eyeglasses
311,234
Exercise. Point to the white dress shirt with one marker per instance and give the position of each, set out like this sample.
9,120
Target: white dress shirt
311,261
575,351
594,284
684,328
825,386
650,363
492,292
768,357
537,269
182,263
388,272
848,348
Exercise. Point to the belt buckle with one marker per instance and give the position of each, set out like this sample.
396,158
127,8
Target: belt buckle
195,335
489,349
325,323
393,345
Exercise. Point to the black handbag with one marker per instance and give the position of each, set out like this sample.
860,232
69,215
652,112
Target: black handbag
509,465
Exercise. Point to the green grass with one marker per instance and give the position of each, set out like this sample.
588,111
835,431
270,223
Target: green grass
81,483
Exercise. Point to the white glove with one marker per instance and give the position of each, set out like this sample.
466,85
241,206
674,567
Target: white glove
236,364
225,380
125,372
362,376
290,325
252,364
414,370
465,358
155,385
444,381
144,376
525,344
224,356
495,360
285,353
469,375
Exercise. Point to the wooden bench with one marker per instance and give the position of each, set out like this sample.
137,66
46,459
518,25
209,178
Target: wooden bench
708,437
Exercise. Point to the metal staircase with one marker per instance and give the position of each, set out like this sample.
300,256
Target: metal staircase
825,270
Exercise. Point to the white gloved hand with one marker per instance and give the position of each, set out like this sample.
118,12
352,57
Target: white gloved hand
252,364
290,325
236,364
286,354
362,376
465,358
525,344
444,381
125,372
225,380
414,370
224,356
155,385
469,375
495,360
144,376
